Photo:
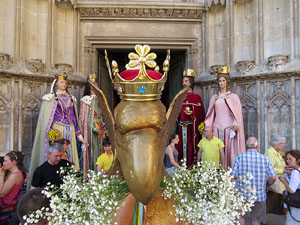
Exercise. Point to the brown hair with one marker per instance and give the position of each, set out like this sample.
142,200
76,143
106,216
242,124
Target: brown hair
64,141
19,158
227,78
295,154
32,201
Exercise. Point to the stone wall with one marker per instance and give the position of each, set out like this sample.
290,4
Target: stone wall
259,39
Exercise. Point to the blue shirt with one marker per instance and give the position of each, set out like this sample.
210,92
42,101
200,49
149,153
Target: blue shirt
259,166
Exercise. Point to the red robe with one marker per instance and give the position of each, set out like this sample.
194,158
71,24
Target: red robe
193,136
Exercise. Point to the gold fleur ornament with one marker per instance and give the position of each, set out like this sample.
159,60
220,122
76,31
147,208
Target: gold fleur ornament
142,57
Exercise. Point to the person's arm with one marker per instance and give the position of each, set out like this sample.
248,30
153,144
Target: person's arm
37,178
8,184
100,164
32,187
171,156
222,157
272,159
271,180
100,169
199,154
294,182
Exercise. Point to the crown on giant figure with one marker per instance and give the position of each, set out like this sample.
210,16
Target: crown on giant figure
223,70
137,83
93,78
61,76
189,73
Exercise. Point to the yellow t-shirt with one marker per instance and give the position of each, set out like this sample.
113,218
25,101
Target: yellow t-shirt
211,151
104,161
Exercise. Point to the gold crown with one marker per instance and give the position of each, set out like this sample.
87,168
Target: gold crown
189,73
61,76
142,87
93,78
223,70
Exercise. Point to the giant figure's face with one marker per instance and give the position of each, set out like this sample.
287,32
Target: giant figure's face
140,145
222,83
61,85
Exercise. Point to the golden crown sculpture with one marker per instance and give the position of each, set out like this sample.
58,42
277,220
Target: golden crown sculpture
142,87
189,73
223,70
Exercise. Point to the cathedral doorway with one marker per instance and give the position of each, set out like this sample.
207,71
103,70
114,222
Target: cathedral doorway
172,86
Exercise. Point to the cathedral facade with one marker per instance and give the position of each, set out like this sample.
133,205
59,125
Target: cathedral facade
259,39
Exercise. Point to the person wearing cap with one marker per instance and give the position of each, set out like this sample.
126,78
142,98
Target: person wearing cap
92,125
191,115
58,112
225,115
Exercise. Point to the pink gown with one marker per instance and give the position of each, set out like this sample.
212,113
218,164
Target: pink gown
224,111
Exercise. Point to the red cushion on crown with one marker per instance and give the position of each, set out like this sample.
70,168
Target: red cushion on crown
131,74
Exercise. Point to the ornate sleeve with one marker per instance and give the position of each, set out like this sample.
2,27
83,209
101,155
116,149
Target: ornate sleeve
74,121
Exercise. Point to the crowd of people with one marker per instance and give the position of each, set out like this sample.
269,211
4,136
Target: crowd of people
50,153
221,145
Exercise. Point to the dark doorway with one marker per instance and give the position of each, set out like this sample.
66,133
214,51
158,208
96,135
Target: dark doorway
172,86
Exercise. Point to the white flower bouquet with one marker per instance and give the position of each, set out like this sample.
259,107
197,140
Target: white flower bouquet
201,196
208,196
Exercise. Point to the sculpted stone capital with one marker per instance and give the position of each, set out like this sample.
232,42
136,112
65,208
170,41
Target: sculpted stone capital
142,12
64,67
215,4
245,66
5,61
241,1
35,65
66,4
276,62
213,69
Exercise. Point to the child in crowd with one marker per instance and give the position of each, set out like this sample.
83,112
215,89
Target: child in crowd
66,144
106,159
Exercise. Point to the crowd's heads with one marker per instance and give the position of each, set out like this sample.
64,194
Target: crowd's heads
208,132
278,142
17,158
1,160
106,142
252,143
174,138
55,153
293,154
55,146
64,141
30,202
